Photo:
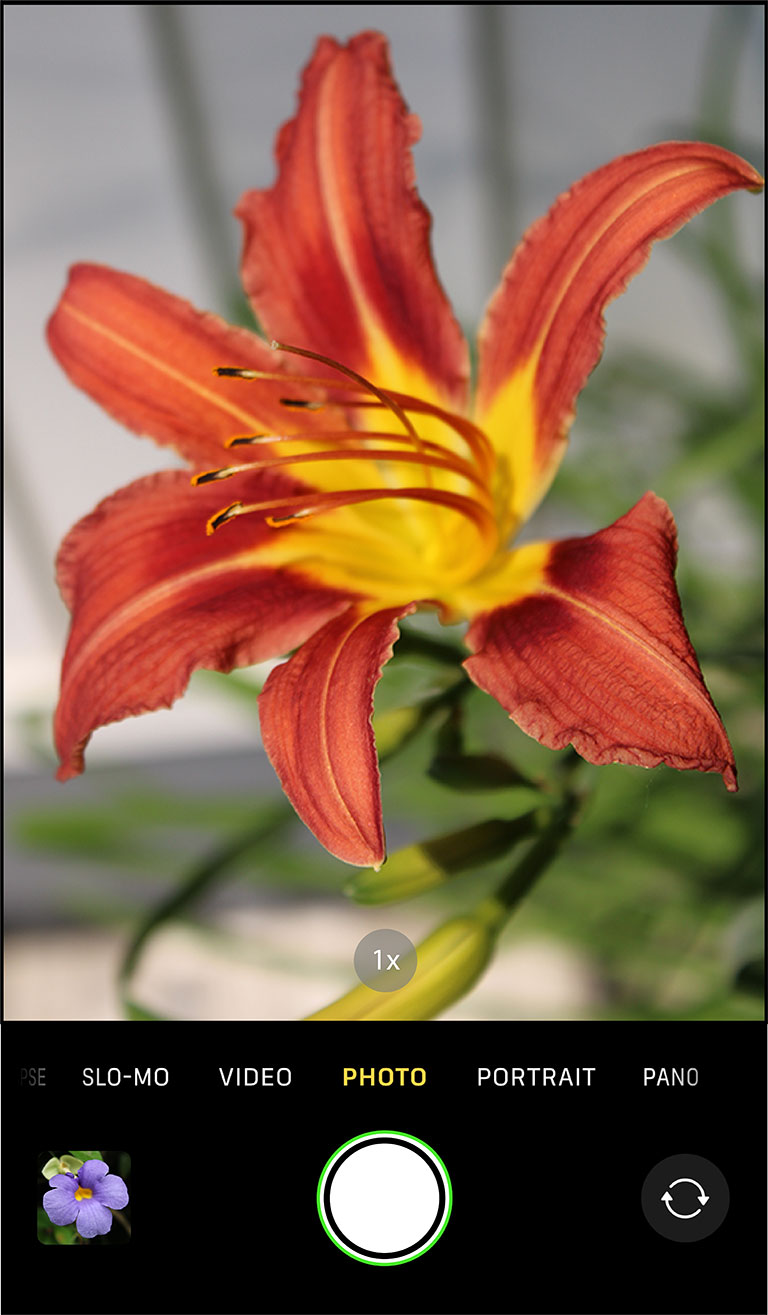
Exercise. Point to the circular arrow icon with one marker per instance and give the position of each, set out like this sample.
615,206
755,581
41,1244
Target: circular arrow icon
658,1201
667,1198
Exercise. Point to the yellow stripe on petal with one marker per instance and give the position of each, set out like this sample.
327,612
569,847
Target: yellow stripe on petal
337,253
511,425
544,329
153,598
315,712
598,656
515,575
152,360
149,358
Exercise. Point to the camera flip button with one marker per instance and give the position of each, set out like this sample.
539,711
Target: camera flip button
685,1198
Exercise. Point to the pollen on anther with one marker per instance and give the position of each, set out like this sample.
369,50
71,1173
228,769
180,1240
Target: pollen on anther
208,476
221,517
276,521
234,372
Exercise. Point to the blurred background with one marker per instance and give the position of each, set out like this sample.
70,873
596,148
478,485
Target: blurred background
131,131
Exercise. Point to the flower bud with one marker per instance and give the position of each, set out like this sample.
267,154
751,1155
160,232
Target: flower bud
71,1164
62,1164
393,727
449,963
417,868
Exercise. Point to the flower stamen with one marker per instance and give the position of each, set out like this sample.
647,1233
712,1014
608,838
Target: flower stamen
384,397
284,510
455,464
301,402
351,444
470,433
332,436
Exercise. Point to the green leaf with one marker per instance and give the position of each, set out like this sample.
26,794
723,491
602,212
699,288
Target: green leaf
44,1228
66,1235
476,771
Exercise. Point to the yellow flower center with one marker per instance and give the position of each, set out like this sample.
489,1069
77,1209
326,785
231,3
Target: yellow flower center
83,1194
408,508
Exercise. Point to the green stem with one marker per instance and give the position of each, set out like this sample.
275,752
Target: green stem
560,822
197,880
447,698
413,644
122,1220
452,959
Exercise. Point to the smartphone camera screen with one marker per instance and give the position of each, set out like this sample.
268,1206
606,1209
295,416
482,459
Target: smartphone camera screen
390,738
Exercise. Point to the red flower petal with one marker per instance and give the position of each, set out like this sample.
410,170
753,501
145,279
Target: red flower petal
598,655
148,358
154,598
315,713
544,329
337,255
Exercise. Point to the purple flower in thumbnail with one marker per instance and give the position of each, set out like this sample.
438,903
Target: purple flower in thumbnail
87,1199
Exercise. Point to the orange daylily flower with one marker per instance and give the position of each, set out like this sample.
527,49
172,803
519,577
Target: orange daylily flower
365,481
